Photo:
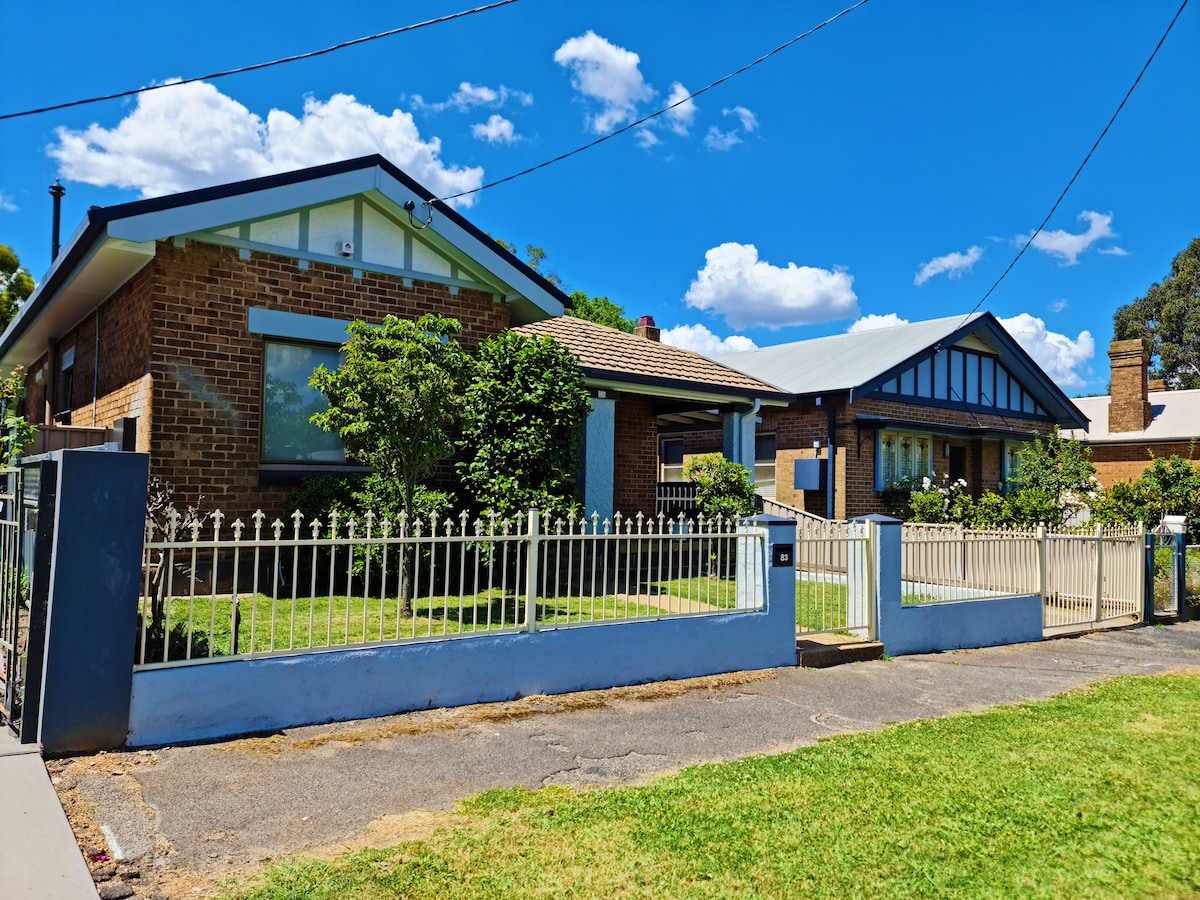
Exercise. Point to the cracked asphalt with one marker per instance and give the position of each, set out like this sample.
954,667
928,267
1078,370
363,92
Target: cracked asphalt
226,806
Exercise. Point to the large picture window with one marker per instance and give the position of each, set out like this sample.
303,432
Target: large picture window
288,402
903,455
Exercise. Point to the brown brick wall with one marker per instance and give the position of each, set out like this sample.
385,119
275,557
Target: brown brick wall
207,389
174,351
635,456
1126,462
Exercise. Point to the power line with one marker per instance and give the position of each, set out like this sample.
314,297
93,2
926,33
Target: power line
263,65
1054,208
659,112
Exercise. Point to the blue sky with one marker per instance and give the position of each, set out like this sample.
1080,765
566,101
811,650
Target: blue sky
887,166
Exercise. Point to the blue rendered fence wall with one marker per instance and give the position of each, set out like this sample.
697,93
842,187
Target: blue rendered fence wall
221,699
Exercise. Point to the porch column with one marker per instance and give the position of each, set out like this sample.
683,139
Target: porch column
737,442
599,443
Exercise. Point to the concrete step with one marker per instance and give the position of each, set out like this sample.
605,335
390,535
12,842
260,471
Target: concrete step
820,651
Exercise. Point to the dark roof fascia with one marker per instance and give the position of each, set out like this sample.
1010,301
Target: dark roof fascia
98,218
81,246
983,431
674,383
928,352
1070,412
266,182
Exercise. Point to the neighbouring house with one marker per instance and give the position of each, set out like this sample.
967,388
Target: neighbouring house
1137,420
639,387
191,322
955,397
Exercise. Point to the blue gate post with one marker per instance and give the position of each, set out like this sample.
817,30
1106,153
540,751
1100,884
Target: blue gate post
95,578
1178,528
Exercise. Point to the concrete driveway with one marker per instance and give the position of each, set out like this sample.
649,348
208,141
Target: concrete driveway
184,816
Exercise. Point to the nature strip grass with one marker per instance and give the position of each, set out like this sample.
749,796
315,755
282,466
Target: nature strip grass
1094,793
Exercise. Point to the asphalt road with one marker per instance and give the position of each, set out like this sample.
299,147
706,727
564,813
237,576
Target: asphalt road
226,806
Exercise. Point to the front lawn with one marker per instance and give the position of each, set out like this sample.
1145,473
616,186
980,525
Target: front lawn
1092,794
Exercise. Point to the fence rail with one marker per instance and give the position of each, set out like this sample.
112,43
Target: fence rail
212,591
1084,575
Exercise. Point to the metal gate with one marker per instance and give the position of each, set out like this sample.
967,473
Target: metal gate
1164,546
14,593
1191,586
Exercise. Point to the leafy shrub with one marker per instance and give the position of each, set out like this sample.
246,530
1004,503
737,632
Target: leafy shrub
723,487
525,409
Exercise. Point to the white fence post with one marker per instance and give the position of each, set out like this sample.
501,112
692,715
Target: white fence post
531,573
1099,573
1042,552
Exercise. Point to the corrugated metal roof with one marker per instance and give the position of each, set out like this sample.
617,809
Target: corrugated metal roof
1176,417
605,352
843,362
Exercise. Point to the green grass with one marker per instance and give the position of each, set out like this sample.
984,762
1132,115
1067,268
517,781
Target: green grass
1051,799
338,620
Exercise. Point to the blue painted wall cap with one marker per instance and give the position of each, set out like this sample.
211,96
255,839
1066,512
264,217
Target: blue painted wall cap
877,517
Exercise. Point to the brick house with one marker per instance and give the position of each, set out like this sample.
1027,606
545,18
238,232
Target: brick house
193,320
640,386
1138,419
954,397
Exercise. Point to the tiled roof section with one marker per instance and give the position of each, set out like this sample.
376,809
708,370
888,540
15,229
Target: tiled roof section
1175,417
604,352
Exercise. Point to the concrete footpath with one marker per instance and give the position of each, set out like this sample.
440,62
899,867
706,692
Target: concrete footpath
187,816
38,854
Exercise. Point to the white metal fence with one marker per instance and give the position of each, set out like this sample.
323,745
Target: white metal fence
1084,576
215,591
835,573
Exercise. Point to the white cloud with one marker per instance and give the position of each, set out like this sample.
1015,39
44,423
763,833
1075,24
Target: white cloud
721,140
680,117
1067,246
1113,251
704,342
871,321
646,137
1058,306
953,263
748,119
496,130
607,73
1058,355
749,292
193,136
468,96
6,203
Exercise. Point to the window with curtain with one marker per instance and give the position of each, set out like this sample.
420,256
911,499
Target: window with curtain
903,455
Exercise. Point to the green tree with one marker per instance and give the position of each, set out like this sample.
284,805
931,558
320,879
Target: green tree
723,488
1168,316
1054,475
525,409
395,399
534,257
600,310
17,432
15,285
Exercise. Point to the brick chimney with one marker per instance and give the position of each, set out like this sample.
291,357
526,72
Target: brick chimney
647,329
1128,404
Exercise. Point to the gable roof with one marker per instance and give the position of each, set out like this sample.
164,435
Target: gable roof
1175,417
628,361
115,242
858,363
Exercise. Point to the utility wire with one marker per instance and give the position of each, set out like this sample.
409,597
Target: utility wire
263,65
1070,183
645,119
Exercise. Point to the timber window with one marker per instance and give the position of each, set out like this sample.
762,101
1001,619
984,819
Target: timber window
902,454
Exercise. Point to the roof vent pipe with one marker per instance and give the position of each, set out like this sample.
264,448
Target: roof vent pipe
56,191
